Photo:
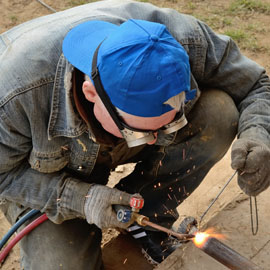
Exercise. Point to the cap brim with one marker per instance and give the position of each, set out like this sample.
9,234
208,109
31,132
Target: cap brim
81,42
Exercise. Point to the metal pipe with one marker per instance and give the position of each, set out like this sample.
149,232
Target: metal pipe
226,256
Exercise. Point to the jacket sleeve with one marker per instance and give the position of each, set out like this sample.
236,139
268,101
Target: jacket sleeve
223,66
58,194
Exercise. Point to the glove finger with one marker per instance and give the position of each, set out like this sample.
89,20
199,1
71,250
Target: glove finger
253,184
256,160
238,155
251,191
108,219
120,197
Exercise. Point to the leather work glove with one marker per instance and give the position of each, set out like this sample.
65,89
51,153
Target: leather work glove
98,207
252,160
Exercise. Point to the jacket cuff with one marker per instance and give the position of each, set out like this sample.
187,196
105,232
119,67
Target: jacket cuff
72,200
257,134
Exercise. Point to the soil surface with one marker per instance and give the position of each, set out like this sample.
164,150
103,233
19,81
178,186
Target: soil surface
230,215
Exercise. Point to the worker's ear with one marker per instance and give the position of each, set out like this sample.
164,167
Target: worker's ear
89,91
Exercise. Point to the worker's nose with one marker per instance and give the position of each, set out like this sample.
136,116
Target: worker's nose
152,142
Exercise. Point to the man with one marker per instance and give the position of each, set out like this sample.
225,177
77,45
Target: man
135,83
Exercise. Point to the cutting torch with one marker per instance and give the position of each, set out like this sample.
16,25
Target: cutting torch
136,204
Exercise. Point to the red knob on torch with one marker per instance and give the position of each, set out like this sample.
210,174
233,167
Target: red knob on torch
136,203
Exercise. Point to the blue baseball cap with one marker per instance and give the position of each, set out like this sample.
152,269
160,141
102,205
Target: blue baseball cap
140,64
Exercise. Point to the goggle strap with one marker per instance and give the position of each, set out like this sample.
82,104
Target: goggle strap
101,92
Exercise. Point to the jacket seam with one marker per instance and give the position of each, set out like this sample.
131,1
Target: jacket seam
25,89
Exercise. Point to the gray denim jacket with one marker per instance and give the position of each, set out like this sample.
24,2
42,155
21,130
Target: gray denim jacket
41,133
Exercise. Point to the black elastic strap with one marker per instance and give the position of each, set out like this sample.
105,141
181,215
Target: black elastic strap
101,92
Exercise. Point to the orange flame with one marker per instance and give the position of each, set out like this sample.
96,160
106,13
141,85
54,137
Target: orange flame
201,237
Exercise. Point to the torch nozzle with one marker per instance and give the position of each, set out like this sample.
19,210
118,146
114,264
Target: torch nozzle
144,221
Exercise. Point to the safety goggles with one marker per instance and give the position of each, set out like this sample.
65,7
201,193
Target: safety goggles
134,137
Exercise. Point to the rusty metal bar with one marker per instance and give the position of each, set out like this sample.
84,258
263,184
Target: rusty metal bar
227,256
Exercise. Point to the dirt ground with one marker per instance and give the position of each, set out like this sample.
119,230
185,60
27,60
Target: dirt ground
250,26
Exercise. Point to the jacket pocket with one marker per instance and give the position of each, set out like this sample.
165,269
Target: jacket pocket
49,162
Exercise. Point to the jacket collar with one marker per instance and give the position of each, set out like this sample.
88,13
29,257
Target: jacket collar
64,118
68,117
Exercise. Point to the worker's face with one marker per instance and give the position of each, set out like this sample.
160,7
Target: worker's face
143,123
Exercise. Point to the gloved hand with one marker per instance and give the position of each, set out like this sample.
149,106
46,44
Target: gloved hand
98,207
252,160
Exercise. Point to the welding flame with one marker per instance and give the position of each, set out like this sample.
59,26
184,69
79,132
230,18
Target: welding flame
201,237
